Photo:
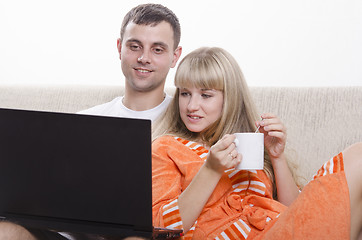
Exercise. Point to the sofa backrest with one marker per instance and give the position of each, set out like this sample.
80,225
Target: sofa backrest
320,121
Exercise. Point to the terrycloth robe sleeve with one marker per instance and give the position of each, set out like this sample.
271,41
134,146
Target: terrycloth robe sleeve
173,167
166,187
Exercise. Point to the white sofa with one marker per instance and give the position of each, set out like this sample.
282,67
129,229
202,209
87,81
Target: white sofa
321,121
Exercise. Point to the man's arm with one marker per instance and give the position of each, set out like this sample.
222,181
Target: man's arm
11,231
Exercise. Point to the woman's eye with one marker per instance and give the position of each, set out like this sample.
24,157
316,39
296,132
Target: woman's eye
184,94
206,95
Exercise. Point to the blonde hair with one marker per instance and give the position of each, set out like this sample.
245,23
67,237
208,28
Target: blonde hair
213,68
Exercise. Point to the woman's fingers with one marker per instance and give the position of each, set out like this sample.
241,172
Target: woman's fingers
274,134
224,143
270,123
224,154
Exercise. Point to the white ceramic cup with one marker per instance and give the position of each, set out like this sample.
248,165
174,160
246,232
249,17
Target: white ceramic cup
251,147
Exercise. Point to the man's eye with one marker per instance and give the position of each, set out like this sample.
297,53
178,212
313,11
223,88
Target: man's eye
158,50
134,47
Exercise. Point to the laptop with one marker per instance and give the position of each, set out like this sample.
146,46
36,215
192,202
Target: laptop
77,173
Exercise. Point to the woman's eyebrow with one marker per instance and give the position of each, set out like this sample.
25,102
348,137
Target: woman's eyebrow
208,89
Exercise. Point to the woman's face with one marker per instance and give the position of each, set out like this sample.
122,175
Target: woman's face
199,108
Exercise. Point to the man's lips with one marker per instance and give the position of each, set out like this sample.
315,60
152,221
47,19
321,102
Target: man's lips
143,70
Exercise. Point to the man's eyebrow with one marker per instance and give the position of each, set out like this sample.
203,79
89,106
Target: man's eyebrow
162,44
132,40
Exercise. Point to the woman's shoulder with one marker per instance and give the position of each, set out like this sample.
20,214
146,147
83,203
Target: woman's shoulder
165,140
168,145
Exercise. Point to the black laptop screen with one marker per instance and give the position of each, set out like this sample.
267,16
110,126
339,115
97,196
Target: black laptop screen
75,167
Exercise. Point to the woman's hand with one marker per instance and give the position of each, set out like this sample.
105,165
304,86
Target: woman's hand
274,141
223,155
274,134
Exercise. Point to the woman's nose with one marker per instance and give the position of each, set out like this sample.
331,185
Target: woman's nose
193,104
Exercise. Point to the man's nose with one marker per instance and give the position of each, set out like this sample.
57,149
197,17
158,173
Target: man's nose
144,58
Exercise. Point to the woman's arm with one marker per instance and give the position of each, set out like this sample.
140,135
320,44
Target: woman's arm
287,190
194,198
186,206
274,141
222,155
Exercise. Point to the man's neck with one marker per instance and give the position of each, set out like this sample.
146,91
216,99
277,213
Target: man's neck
141,101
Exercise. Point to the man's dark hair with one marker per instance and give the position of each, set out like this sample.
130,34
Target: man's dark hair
153,14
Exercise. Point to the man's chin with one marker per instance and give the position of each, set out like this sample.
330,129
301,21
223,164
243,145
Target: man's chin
142,86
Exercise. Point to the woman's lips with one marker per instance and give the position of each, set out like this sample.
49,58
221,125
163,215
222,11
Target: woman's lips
194,118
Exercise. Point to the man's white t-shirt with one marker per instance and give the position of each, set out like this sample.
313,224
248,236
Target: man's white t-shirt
115,108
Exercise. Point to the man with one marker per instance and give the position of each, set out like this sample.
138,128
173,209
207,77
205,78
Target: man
148,47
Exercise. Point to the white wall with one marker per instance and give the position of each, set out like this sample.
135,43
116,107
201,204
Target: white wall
277,43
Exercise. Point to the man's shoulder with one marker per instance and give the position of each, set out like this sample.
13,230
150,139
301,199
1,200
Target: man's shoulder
104,108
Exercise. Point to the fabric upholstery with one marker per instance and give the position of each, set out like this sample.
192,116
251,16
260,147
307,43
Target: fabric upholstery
320,121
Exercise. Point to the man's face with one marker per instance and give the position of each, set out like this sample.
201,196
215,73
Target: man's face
147,54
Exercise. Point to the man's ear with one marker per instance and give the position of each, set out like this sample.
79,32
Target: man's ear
119,47
176,56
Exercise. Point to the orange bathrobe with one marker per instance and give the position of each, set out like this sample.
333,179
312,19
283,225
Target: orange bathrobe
241,205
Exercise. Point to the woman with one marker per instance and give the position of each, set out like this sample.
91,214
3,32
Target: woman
197,189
